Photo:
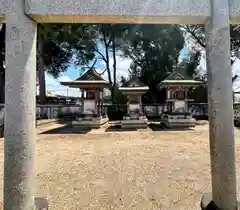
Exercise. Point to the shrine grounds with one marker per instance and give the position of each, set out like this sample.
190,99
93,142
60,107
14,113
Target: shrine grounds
113,169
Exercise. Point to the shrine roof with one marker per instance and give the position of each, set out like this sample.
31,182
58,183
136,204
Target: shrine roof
181,82
90,75
90,79
133,88
179,77
134,85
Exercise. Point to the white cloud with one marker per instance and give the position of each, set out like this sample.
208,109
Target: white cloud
50,81
236,71
53,85
202,66
64,78
236,67
122,67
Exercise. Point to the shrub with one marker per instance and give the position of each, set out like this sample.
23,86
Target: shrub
116,112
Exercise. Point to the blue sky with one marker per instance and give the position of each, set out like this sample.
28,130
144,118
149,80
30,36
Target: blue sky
72,73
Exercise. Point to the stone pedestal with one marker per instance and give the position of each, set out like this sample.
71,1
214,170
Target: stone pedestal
135,117
207,203
178,121
40,203
90,122
89,107
177,117
91,116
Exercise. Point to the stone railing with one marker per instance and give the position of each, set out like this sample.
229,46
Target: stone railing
57,111
153,110
50,111
156,110
53,111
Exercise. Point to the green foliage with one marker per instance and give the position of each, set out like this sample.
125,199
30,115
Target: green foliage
2,46
118,109
2,59
110,37
154,50
116,112
120,98
196,35
62,42
193,63
57,46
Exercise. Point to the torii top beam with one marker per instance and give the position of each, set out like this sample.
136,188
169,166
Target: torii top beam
125,11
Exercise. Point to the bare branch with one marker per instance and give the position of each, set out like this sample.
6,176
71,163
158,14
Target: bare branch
101,55
234,78
94,63
103,72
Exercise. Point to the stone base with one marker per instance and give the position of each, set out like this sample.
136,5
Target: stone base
180,123
1,131
208,204
40,203
91,123
130,123
44,122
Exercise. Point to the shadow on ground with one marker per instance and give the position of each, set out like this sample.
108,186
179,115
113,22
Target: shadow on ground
68,129
162,127
118,128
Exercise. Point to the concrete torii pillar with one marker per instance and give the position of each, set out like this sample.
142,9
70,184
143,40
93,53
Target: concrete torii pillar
221,127
20,105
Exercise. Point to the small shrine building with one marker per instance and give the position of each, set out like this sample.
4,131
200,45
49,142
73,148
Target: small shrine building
135,117
91,85
177,86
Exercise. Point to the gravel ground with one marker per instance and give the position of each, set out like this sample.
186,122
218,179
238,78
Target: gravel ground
139,170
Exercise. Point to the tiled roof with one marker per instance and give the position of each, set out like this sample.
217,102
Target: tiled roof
90,75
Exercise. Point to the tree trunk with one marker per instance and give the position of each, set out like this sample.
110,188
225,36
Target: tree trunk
2,58
41,72
2,85
107,43
114,68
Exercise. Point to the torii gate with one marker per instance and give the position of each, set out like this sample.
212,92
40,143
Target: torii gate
21,17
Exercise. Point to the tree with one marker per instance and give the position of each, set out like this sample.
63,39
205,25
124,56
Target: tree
114,66
118,36
191,64
2,59
100,38
56,48
195,35
109,37
154,50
